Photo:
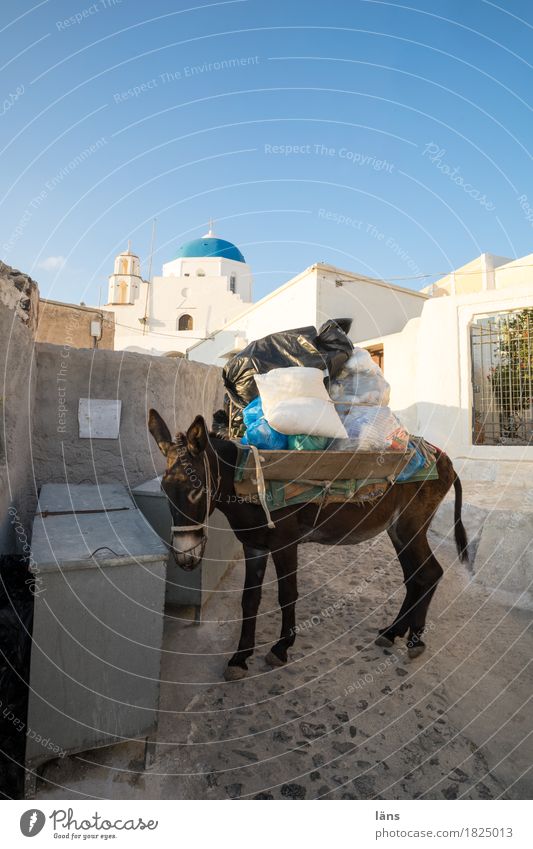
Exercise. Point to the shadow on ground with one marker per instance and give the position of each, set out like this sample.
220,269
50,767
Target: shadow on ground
344,719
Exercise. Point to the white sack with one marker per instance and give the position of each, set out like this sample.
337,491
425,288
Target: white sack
295,401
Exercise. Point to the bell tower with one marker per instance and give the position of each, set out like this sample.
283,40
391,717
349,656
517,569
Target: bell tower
125,282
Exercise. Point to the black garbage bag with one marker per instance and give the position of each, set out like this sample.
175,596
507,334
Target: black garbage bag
328,348
220,426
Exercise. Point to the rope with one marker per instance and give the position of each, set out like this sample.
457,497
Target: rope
325,493
261,489
104,548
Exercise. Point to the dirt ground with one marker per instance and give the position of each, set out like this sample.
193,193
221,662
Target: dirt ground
344,719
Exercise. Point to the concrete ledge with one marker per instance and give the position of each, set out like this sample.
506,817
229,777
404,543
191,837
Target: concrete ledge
516,473
441,530
499,522
504,558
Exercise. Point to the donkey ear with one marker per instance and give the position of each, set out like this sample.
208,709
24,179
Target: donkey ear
159,431
197,436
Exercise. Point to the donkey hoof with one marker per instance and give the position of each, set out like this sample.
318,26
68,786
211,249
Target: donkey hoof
234,673
274,661
383,641
415,651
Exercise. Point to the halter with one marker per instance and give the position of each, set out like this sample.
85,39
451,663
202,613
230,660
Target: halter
203,526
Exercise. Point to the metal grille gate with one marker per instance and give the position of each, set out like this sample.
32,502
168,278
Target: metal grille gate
502,378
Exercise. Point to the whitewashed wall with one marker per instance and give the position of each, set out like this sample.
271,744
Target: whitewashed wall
376,308
292,305
207,299
428,366
310,299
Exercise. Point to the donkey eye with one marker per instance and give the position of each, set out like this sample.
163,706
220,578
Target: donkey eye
195,496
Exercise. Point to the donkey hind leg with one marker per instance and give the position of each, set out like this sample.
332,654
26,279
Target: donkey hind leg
286,563
400,625
256,561
427,577
422,573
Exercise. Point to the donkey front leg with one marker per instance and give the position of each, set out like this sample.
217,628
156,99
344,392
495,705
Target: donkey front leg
256,561
286,563
399,627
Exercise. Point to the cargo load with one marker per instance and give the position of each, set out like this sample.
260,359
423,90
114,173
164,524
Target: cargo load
337,407
327,349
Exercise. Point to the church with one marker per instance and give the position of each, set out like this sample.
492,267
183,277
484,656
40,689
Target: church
203,287
202,304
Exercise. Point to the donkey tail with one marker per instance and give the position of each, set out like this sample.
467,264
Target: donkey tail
461,539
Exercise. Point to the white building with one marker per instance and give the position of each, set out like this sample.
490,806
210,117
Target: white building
206,284
318,293
442,350
461,373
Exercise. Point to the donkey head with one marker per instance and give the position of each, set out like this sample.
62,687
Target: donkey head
186,483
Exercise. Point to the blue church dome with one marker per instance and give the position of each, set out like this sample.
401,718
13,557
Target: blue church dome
209,246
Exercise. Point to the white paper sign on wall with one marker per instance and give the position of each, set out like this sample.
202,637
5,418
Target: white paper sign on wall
99,418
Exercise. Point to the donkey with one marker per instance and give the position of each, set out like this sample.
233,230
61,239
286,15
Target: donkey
199,478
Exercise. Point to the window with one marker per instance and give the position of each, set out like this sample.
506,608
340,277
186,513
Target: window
376,352
502,378
185,322
232,284
200,272
122,292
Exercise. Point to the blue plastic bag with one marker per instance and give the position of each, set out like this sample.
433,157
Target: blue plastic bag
415,464
258,430
252,412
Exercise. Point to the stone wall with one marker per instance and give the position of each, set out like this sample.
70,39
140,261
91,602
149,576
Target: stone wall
178,389
70,324
41,388
19,299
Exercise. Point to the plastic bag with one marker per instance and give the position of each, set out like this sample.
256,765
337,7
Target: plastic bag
296,401
252,412
258,430
329,348
303,442
360,381
372,429
415,464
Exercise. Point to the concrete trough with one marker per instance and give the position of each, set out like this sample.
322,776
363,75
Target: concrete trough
100,574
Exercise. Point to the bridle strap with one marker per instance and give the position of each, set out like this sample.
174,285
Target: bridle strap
203,526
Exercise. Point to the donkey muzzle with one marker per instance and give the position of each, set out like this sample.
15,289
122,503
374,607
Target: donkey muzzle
187,548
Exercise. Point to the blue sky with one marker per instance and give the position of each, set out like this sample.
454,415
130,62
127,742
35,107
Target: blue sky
387,138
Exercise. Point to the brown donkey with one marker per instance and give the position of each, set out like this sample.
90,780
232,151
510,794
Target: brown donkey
199,478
